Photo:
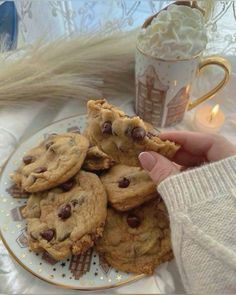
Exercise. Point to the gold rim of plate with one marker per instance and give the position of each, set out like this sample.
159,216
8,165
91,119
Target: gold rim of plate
103,287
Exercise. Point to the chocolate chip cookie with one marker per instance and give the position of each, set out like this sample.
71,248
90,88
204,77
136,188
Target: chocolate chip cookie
69,219
97,160
122,137
52,162
128,187
137,241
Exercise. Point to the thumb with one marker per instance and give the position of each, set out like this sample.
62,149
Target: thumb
158,167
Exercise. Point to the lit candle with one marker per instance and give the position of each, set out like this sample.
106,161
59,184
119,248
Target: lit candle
208,119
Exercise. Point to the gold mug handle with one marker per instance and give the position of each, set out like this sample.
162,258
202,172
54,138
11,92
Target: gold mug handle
212,60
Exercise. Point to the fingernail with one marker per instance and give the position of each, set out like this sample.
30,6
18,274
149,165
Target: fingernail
147,160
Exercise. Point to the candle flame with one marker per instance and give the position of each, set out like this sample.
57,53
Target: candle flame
214,112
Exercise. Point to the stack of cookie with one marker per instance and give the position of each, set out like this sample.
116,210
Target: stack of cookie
89,189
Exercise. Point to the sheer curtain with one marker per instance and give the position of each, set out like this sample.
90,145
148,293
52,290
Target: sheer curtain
55,18
50,19
221,27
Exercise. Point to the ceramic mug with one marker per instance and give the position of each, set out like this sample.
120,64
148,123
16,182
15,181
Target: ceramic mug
163,86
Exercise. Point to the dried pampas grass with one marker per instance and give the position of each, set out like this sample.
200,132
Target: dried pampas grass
77,67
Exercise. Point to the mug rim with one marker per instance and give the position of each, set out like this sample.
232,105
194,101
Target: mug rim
169,60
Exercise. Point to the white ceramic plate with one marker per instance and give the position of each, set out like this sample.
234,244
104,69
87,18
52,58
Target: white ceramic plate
84,272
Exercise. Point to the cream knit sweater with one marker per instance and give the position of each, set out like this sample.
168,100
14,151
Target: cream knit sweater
202,208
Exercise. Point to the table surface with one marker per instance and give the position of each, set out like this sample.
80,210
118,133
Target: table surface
15,279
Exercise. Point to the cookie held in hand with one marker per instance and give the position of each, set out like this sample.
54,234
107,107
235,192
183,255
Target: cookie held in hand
122,137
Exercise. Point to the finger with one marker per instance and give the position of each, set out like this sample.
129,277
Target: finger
221,149
158,167
209,146
186,159
194,143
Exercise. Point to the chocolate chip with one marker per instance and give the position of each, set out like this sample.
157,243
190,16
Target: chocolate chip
28,159
123,182
66,186
40,169
47,234
133,221
138,133
65,211
48,144
107,127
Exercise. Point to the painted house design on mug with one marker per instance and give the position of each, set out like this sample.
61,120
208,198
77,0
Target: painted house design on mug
177,106
151,94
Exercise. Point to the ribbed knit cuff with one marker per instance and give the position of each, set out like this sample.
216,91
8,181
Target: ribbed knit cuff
183,190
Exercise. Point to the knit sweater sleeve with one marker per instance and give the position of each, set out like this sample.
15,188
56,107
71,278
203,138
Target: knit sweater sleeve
202,209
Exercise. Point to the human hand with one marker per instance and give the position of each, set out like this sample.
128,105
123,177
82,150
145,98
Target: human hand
196,149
